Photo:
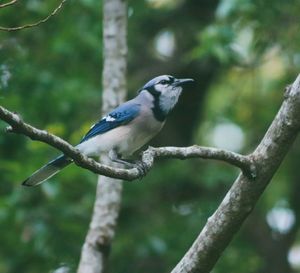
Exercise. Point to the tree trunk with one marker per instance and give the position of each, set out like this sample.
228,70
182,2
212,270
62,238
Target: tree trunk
98,241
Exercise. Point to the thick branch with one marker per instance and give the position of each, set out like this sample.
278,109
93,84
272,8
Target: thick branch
53,13
244,193
20,127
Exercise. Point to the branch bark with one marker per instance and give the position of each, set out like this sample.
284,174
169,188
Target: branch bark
101,232
244,193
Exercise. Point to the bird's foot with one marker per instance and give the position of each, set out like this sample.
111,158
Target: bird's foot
142,168
139,164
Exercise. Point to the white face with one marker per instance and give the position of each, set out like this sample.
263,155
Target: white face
165,91
169,93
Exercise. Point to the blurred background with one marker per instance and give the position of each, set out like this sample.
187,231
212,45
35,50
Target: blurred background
242,54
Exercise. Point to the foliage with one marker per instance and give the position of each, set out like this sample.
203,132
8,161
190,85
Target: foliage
242,54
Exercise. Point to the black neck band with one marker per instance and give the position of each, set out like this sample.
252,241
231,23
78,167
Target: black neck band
158,113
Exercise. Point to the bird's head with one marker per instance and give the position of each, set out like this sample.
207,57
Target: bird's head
165,90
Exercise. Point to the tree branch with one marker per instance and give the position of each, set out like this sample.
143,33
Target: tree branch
8,4
245,163
18,126
244,193
53,13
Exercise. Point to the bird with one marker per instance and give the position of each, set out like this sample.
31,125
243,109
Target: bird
125,129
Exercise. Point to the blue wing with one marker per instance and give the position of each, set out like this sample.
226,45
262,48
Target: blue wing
120,116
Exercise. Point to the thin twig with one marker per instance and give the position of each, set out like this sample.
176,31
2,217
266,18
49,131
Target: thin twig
18,126
8,4
55,11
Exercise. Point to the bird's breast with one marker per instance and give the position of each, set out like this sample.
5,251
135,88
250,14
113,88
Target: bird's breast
142,130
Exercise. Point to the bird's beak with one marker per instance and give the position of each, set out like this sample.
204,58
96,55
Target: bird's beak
180,82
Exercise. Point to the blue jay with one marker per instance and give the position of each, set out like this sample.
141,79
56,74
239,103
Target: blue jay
124,130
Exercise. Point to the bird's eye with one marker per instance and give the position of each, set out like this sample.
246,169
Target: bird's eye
163,82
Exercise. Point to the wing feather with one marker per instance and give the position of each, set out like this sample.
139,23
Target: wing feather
120,116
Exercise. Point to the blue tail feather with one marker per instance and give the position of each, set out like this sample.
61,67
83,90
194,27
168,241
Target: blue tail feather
47,171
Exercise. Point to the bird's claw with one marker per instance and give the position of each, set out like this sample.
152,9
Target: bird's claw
142,168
